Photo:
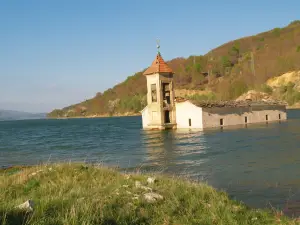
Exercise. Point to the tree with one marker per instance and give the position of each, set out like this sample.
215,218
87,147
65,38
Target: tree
226,62
235,50
198,67
112,104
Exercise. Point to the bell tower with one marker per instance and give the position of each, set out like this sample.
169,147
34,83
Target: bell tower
161,112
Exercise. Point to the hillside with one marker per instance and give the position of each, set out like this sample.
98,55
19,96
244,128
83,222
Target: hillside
16,115
224,73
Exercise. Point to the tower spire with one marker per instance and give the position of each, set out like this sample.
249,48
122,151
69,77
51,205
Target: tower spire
158,46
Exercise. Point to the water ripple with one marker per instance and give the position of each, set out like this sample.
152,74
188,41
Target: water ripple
258,164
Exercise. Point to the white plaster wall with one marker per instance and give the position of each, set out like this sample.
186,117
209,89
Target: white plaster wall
237,117
145,117
155,109
185,111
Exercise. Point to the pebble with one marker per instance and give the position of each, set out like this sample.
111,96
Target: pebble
27,206
151,180
153,197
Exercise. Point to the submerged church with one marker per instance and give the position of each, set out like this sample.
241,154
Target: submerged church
165,111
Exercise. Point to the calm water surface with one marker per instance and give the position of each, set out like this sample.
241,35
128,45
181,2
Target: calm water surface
258,164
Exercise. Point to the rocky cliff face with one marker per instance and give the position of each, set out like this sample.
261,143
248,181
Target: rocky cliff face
286,79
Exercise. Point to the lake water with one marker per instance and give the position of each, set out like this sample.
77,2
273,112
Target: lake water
258,164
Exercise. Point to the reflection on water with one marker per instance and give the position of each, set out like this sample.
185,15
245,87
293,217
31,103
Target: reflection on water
258,163
174,151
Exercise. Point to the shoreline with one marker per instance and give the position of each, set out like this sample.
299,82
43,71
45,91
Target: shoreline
123,115
104,194
96,116
293,107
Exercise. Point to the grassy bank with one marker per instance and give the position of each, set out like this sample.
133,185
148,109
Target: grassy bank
83,194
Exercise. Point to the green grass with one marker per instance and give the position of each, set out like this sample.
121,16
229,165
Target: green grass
83,194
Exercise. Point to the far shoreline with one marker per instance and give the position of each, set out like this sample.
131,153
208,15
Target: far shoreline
124,115
94,116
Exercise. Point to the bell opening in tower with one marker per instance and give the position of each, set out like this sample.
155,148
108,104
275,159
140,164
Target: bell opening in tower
167,116
166,93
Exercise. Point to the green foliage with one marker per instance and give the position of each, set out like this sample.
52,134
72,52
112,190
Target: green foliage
56,113
132,104
30,185
262,39
83,194
295,22
237,88
198,67
259,47
282,89
187,68
289,93
298,48
235,49
203,97
266,89
276,32
226,62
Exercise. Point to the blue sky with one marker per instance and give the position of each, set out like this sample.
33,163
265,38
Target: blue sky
56,53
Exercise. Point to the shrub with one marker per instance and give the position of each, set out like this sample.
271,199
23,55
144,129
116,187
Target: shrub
235,49
198,67
132,104
266,88
298,48
295,22
292,97
276,31
203,97
226,62
237,88
282,89
289,93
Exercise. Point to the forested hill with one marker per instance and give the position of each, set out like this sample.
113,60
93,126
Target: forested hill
227,71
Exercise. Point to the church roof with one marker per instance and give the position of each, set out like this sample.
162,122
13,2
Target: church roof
229,104
158,66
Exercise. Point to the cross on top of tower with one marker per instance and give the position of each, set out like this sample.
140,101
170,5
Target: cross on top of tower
158,45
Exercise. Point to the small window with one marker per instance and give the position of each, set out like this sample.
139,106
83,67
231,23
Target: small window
279,116
246,119
190,122
153,93
267,118
221,122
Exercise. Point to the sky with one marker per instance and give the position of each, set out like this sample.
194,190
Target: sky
59,52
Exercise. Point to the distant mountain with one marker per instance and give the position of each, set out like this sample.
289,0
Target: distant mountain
17,115
225,72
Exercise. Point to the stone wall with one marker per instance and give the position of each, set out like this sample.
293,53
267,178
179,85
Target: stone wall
236,116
